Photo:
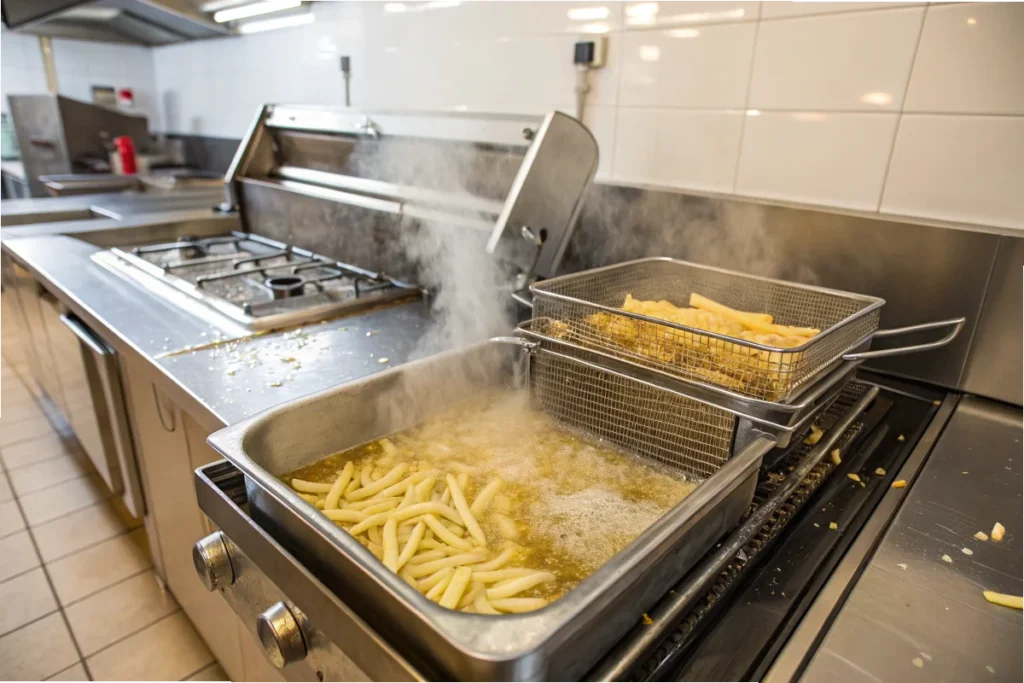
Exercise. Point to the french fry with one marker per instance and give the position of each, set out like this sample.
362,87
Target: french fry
498,562
428,556
482,606
706,304
409,580
518,605
371,521
365,477
463,507
310,498
475,589
427,568
385,481
424,489
371,503
310,487
501,574
436,509
456,587
373,533
432,580
485,496
391,544
409,499
412,545
400,488
348,516
339,486
439,588
506,589
442,533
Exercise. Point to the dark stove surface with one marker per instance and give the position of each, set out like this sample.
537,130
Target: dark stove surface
737,627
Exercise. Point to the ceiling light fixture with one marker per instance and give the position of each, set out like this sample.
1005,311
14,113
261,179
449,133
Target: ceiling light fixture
254,9
277,22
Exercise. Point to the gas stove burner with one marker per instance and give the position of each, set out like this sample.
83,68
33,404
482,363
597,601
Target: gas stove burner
284,286
259,282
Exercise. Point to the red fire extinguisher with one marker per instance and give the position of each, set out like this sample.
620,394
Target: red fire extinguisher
126,150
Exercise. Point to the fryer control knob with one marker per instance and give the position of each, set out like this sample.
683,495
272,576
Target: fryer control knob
280,635
212,561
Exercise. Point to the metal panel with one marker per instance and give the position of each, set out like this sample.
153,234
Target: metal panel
923,272
994,363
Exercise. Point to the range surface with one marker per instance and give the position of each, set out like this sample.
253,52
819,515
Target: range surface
256,281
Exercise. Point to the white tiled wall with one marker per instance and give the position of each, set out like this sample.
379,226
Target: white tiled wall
903,108
80,65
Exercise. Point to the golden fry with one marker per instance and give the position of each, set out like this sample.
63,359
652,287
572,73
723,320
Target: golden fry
498,562
427,568
439,588
338,487
385,481
412,545
456,587
349,516
442,533
506,589
517,605
485,496
310,487
391,545
482,606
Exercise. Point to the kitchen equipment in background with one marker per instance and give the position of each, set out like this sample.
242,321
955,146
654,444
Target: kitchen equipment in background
59,135
258,282
560,641
104,96
8,139
142,22
126,154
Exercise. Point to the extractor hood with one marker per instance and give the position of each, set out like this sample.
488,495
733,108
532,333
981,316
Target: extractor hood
142,22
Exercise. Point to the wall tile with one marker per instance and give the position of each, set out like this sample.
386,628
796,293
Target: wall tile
958,168
816,158
639,15
777,8
857,61
687,67
688,149
970,60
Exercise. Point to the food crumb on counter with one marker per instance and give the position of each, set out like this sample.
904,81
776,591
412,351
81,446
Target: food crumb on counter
947,558
833,526
372,332
967,551
287,359
918,662
964,472
231,373
981,536
383,360
937,402
276,384
853,477
647,619
899,484
836,457
997,532
900,438
880,472
902,565
988,668
817,525
815,435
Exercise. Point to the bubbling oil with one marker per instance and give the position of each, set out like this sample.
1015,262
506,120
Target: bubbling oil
568,500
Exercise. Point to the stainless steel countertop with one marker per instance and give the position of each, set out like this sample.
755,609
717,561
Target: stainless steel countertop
223,380
914,616
118,204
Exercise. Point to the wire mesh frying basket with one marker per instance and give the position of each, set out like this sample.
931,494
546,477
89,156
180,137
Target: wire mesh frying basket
585,308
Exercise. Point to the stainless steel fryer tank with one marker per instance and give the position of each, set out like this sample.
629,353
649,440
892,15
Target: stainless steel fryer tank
560,641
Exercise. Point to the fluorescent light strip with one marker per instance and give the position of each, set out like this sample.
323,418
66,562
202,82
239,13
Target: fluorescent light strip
276,22
254,10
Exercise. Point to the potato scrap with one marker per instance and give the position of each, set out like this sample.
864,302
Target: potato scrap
1012,601
899,484
815,436
837,458
880,472
981,536
853,477
997,532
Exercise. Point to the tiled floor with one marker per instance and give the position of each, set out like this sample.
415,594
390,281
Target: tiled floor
78,596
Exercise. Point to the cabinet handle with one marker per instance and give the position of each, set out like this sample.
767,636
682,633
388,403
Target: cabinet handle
160,412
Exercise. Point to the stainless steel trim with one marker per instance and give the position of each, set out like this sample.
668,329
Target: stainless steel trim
617,664
814,626
86,338
243,154
322,607
956,323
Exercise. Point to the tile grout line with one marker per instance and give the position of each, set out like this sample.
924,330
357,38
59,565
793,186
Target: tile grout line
746,102
30,622
90,546
202,668
21,573
136,632
902,110
50,677
100,590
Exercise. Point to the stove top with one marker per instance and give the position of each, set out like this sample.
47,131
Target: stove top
256,281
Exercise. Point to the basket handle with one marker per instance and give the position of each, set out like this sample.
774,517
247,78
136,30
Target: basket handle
956,323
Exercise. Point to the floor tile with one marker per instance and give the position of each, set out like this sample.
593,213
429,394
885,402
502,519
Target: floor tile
99,566
168,650
214,672
17,405
17,555
62,499
6,493
72,673
118,612
25,598
46,473
71,533
36,651
24,430
10,518
28,452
